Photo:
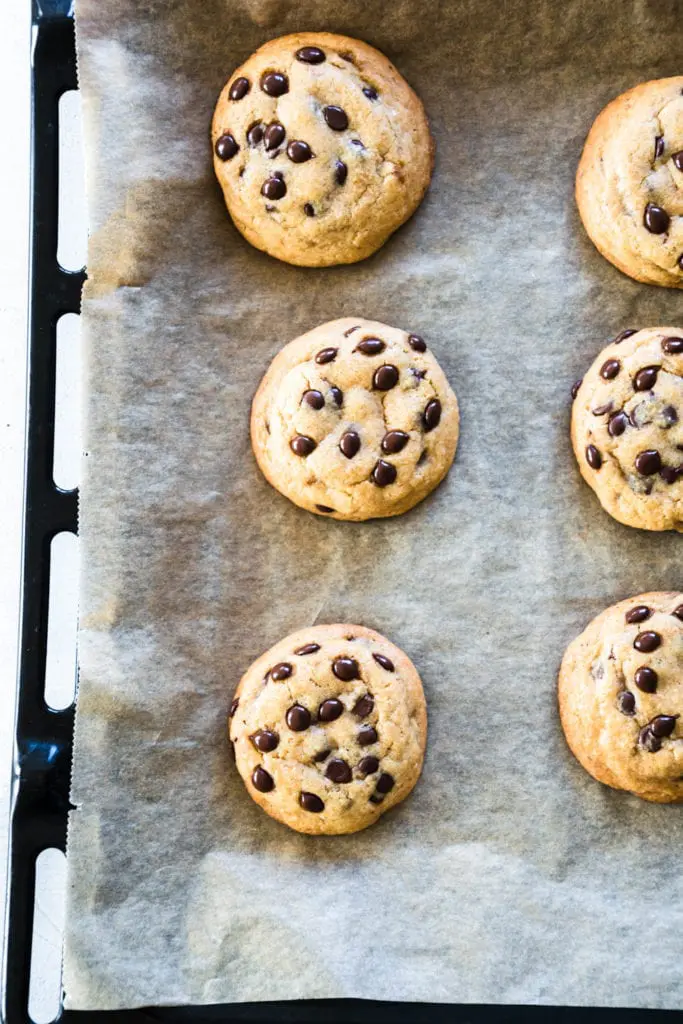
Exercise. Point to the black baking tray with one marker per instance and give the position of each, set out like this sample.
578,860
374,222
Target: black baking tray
43,737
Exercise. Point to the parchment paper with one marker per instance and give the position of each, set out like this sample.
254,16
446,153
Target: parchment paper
509,875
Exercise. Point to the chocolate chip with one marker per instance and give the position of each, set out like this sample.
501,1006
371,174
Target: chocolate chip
338,771
368,765
326,355
299,152
385,783
302,445
308,210
385,377
336,118
351,330
226,147
324,508
383,474
370,92
338,396
602,409
678,159
274,135
655,219
659,146
330,710
431,417
678,612
350,444
307,649
255,134
370,346
321,755
311,802
671,474
281,671
422,458
646,679
364,705
376,798
310,55
265,740
575,387
274,83
298,718
593,457
313,398
261,780
624,335
679,262
672,346
663,725
638,614
239,88
385,662
417,343
235,704
648,740
273,188
610,369
367,734
346,669
340,172
648,462
646,378
394,441
647,642
669,416
626,702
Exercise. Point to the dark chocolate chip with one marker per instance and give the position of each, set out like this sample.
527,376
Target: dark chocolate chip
367,734
417,343
370,346
648,740
575,387
624,335
385,783
671,474
364,705
678,612
324,508
383,474
274,83
385,377
678,160
302,445
307,649
321,755
638,614
226,147
610,369
593,457
336,118
431,417
370,92
376,798
646,378
648,462
346,669
368,765
679,261
311,802
299,152
351,330
340,172
274,135
235,704
326,355
338,771
298,718
385,662
659,146
261,780
239,88
663,725
265,740
314,398
600,410
669,416
626,702
647,642
273,188
310,55
646,679
338,396
255,134
349,444
394,441
672,346
330,710
308,210
281,671
655,219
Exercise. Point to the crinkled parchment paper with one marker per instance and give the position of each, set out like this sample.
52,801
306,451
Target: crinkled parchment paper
509,875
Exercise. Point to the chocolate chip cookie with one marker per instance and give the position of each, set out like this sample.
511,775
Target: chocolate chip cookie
355,420
321,148
621,697
329,729
627,428
629,184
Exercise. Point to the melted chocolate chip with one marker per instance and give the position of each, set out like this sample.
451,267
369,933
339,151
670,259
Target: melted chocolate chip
659,146
310,55
349,444
314,398
669,417
624,335
593,457
226,147
311,802
610,369
265,740
337,396
338,771
655,219
638,614
575,387
261,780
308,210
340,172
648,740
274,135
646,378
376,798
307,649
336,118
417,343
298,718
364,705
321,755
367,734
679,261
255,134
646,679
299,152
324,508
346,669
385,662
431,417
602,409
370,346
626,702
394,441
368,765
678,160
326,355
678,612
274,83
273,188
670,474
302,445
672,346
385,783
647,642
235,704
239,88
663,725
648,462
281,671
383,474
385,377
330,710
370,92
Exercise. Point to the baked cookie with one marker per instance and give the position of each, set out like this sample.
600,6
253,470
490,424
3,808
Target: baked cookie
329,728
321,148
627,428
629,184
355,420
621,697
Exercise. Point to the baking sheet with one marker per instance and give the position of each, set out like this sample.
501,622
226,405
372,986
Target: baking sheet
509,875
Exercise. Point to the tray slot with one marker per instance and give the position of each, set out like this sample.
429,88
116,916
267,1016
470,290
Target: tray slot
44,999
72,228
60,671
67,447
